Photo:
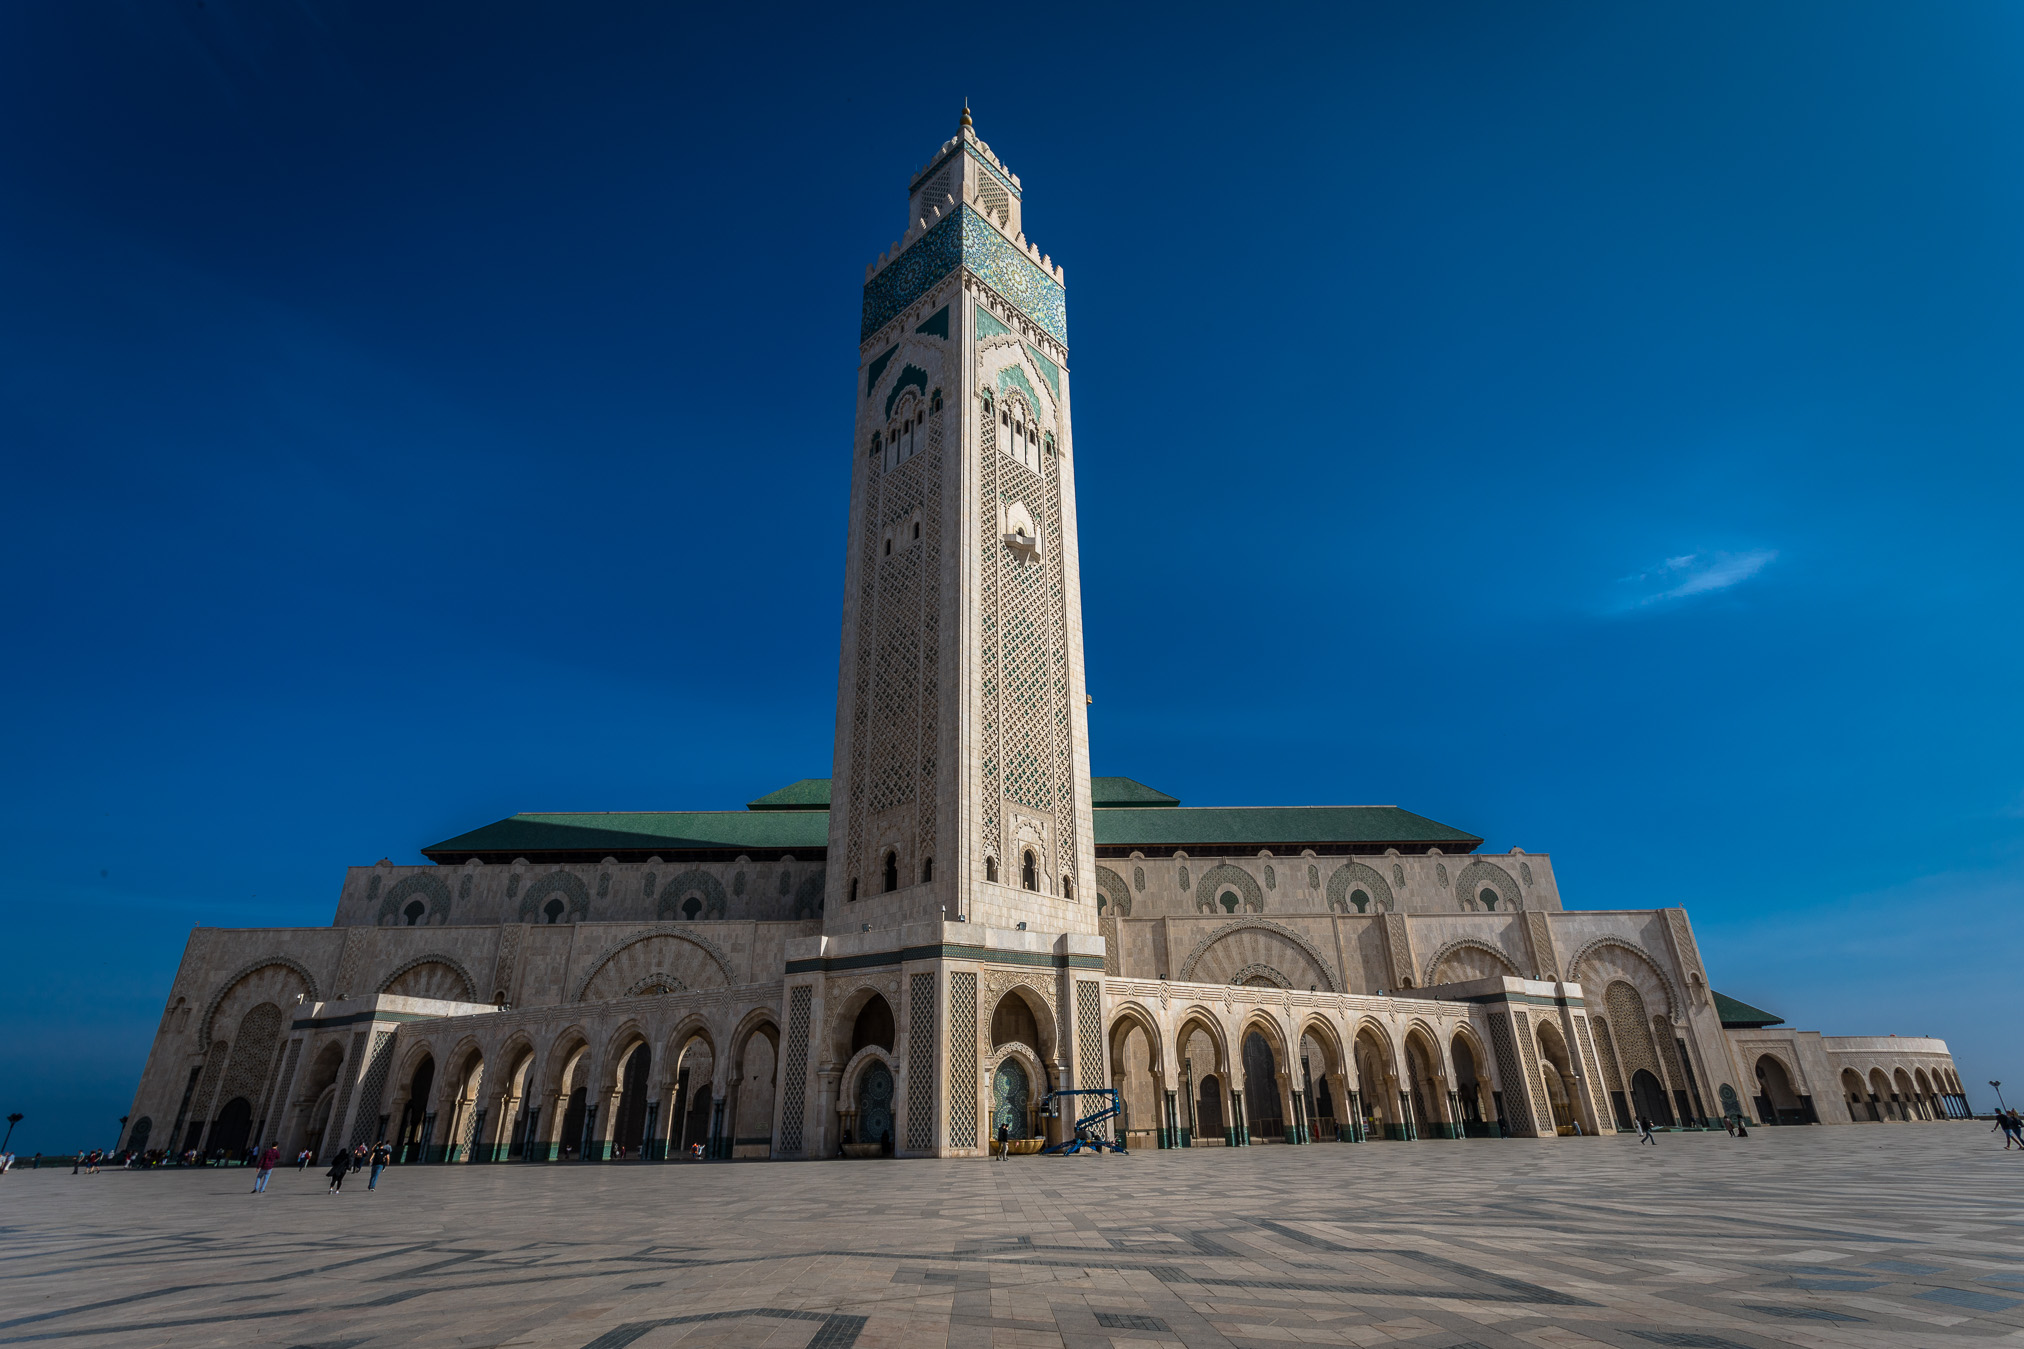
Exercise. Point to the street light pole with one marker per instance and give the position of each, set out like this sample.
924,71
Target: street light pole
1997,1085
12,1120
122,1134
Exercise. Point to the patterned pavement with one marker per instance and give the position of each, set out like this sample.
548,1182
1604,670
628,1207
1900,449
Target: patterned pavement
1872,1235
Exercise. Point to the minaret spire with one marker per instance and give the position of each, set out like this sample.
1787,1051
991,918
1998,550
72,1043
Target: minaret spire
967,124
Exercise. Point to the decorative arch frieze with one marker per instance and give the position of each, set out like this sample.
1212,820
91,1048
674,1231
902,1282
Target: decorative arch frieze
450,963
1278,929
1358,876
243,973
1674,1005
676,930
1470,943
422,883
575,897
1251,898
694,882
1480,875
1260,970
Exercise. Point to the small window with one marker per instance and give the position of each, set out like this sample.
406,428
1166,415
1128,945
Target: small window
853,889
553,911
927,870
991,869
917,529
1489,898
1004,418
874,447
892,876
935,401
1068,887
414,912
1050,442
1361,900
1029,871
889,547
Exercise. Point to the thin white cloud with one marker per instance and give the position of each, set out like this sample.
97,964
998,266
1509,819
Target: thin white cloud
1690,574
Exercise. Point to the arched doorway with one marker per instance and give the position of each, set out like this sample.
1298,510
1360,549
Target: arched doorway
1777,1102
875,1106
1315,1073
1011,1100
1263,1119
629,1127
1649,1099
411,1137
1859,1110
235,1122
1209,1111
1378,1087
695,1093
1558,1074
1468,1088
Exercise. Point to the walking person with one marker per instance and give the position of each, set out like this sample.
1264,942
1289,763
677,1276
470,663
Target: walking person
268,1161
358,1158
1004,1140
382,1154
1644,1131
302,1160
339,1169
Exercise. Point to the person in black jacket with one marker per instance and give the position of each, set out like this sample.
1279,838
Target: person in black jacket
339,1169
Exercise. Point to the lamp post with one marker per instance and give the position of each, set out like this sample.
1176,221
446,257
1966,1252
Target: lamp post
122,1134
12,1120
1997,1085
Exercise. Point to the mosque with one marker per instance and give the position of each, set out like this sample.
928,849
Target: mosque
908,955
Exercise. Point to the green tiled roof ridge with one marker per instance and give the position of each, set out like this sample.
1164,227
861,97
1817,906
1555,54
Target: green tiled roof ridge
805,794
1108,793
1739,1015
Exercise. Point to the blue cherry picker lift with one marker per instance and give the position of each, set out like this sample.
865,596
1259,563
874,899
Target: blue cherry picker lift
1109,1107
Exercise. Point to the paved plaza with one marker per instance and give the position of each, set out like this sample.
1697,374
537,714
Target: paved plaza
1886,1235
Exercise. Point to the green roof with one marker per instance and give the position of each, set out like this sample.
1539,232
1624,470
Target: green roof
1742,1016
640,833
1115,792
795,819
807,794
1264,826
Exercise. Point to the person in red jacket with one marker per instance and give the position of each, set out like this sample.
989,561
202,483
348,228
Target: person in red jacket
268,1161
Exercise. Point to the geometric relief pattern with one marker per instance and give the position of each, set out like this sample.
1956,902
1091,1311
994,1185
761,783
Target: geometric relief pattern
1468,958
990,784
1602,1114
1627,1024
1610,1074
794,1071
1545,959
271,1106
1517,1099
1521,1028
1479,876
665,961
252,1053
1358,876
921,1061
421,885
1237,949
962,1041
964,237
1243,894
373,1089
1089,1034
431,977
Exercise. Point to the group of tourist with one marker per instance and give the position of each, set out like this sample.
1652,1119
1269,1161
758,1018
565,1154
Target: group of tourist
378,1157
2012,1125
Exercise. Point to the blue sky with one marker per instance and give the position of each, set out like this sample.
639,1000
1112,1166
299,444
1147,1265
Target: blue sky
1593,426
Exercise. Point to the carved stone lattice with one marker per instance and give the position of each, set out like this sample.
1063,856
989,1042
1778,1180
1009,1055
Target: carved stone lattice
1399,938
372,1090
1595,1078
1089,1071
963,1059
921,1061
1353,876
1517,1100
1307,947
1540,933
794,1071
1612,1076
348,960
1528,1049
506,964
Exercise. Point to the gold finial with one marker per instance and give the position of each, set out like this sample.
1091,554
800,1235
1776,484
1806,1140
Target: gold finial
967,125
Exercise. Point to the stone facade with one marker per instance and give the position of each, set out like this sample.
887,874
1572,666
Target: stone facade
920,951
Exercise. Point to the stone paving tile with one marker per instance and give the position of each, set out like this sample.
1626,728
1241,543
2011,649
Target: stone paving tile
1859,1236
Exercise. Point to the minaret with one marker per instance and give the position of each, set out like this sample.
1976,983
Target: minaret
959,972
961,783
